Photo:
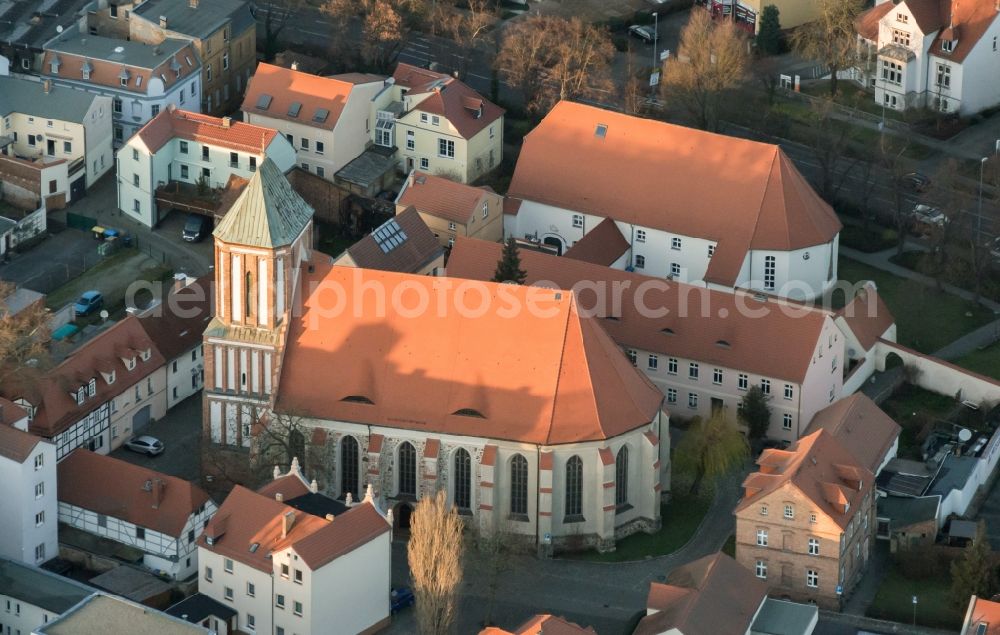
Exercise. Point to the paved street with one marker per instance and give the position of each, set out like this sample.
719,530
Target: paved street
180,432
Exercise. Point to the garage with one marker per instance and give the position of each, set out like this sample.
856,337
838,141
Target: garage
141,418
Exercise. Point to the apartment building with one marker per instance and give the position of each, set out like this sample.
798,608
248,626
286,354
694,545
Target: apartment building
45,125
141,79
159,515
31,596
868,433
452,209
689,215
28,528
403,244
285,570
104,613
111,387
179,149
806,521
943,56
327,119
702,348
439,124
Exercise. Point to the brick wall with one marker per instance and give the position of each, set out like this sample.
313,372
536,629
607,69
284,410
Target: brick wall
324,197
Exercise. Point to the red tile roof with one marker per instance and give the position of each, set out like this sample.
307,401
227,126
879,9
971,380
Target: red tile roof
867,22
709,596
678,179
286,87
289,486
967,22
441,197
247,518
234,135
545,375
724,333
15,444
452,99
418,249
120,489
542,625
861,426
106,72
867,316
178,323
982,611
11,413
602,245
54,394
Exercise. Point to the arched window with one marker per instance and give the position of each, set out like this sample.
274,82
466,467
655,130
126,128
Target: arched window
249,294
463,479
574,487
349,467
621,477
407,469
519,485
297,446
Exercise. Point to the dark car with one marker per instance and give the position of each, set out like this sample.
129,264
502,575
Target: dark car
89,302
196,227
916,181
400,598
642,32
145,444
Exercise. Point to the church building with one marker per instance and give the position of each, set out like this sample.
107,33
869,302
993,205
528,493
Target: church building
509,398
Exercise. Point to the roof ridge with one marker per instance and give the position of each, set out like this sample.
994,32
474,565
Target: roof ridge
562,360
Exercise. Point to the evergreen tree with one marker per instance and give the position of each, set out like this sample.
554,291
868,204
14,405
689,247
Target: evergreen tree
769,37
509,265
974,573
755,413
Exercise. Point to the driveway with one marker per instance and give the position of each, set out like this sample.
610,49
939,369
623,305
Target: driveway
180,432
50,264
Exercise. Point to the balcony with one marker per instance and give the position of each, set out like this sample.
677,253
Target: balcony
186,197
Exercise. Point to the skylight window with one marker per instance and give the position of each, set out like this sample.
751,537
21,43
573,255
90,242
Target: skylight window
293,110
321,115
601,131
264,102
389,236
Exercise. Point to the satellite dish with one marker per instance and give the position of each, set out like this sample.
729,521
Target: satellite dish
104,315
59,29
964,435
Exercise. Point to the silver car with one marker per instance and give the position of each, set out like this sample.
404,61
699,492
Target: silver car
145,444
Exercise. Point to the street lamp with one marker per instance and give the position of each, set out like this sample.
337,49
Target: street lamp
979,220
656,36
914,610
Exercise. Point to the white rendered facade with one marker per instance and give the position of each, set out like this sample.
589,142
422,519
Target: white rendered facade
28,511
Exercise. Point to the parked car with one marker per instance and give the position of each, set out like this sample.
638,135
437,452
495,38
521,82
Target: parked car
145,444
400,598
926,217
642,32
89,302
196,227
917,182
994,246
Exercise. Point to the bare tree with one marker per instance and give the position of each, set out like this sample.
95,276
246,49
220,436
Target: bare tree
632,89
949,201
466,28
495,547
276,16
891,159
549,59
829,143
434,554
385,25
868,180
712,59
830,39
24,340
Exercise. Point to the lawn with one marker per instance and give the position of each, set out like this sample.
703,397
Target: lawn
875,238
914,409
985,361
926,319
894,601
681,518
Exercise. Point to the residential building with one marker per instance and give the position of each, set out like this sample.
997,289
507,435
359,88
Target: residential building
761,227
807,519
569,440
981,618
868,433
101,613
44,125
180,149
28,530
791,14
109,388
175,326
403,244
25,29
452,209
160,515
204,611
542,624
327,119
908,522
287,570
30,596
141,79
223,33
928,54
864,321
702,348
439,124
715,595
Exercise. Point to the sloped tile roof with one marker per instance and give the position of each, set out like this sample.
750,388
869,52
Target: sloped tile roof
269,213
867,22
725,334
235,135
452,99
11,413
178,324
417,249
543,625
678,179
547,377
117,488
966,21
15,444
602,245
983,611
861,426
867,316
441,197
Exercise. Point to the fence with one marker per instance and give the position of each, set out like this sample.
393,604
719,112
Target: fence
848,112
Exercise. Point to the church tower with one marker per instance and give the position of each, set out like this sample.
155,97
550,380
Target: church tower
259,245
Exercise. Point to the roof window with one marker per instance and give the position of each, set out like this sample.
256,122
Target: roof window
293,110
469,412
722,343
320,115
264,102
601,131
667,331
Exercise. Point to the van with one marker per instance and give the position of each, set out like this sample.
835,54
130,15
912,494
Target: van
195,228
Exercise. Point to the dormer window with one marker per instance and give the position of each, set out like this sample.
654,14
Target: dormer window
92,387
948,45
79,395
146,354
54,65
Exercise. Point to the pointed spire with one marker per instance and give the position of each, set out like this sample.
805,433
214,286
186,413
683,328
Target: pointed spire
388,517
348,500
269,213
370,494
314,487
295,464
277,472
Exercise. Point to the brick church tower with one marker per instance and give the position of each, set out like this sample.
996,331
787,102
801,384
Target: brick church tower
259,246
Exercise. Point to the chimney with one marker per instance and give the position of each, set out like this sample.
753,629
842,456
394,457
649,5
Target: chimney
295,63
163,21
287,520
227,122
329,517
158,487
47,84
278,496
193,4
